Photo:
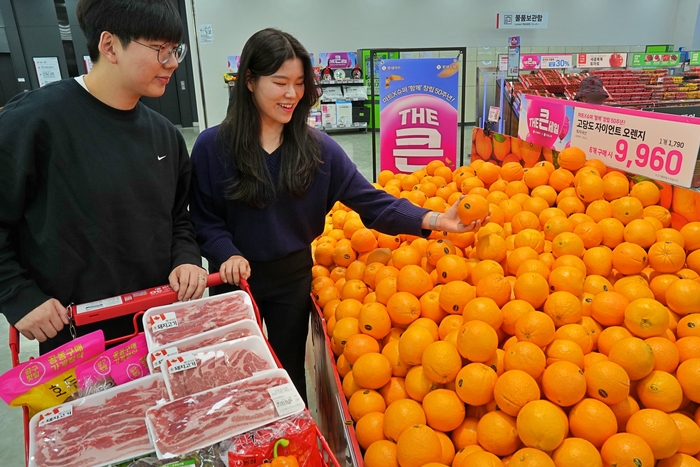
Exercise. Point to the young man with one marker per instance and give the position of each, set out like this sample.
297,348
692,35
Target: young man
93,184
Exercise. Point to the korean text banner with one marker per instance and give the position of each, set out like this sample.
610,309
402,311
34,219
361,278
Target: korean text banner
418,105
342,60
660,146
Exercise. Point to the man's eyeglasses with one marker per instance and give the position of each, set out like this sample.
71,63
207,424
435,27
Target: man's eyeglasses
166,50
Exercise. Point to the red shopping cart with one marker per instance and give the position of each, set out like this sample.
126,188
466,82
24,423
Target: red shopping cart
137,303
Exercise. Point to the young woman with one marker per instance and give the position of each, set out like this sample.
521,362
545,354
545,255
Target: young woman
263,182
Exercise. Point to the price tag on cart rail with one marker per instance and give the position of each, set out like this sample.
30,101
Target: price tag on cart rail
660,149
55,414
286,399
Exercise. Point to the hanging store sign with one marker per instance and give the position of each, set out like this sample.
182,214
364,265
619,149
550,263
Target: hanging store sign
522,20
611,60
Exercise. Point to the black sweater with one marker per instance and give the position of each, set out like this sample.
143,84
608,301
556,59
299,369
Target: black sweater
93,200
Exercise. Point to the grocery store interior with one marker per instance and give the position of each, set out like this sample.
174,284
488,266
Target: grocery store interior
645,52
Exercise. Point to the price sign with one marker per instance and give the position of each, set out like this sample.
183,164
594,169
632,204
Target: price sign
656,148
286,399
494,114
694,58
555,61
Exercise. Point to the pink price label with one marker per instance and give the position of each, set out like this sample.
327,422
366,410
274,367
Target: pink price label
657,158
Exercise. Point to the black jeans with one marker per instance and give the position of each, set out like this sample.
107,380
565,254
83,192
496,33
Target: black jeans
282,291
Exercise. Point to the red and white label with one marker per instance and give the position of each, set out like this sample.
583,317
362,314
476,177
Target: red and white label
163,321
158,356
181,363
55,414
98,305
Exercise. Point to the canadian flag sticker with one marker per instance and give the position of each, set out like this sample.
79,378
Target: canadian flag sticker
159,356
181,363
163,321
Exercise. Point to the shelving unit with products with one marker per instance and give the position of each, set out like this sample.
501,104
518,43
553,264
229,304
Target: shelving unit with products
342,105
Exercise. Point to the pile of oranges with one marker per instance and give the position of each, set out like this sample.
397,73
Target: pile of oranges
565,332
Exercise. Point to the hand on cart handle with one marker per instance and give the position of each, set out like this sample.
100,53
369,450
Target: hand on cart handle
44,321
189,281
234,269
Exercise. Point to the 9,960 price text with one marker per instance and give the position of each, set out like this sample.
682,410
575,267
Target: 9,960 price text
656,158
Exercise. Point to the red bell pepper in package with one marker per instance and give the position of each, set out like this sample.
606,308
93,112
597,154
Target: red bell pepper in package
256,447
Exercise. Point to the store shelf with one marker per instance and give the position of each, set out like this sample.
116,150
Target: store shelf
345,81
354,126
343,99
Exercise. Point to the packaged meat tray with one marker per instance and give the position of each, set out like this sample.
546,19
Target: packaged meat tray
230,332
212,416
170,323
98,430
218,365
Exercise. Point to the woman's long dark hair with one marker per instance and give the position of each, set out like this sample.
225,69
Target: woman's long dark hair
239,133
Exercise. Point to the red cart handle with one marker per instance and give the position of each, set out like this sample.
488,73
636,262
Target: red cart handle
130,303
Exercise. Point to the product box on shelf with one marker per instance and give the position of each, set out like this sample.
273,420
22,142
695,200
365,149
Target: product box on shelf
355,92
344,113
317,118
329,114
332,93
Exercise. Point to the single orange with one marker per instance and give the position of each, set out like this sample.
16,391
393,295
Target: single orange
535,327
658,430
513,390
542,425
564,383
592,420
607,381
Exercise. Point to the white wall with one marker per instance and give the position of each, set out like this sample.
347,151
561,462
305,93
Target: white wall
330,25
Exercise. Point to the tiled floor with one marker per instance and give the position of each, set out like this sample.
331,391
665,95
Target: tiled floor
358,146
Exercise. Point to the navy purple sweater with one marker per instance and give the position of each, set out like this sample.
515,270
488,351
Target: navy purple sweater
226,228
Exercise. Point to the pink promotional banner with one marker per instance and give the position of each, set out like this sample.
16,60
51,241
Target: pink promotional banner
659,146
418,111
342,60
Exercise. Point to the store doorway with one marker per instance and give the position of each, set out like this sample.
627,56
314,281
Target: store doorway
8,79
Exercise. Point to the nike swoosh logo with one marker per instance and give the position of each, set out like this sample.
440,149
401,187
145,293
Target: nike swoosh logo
160,158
